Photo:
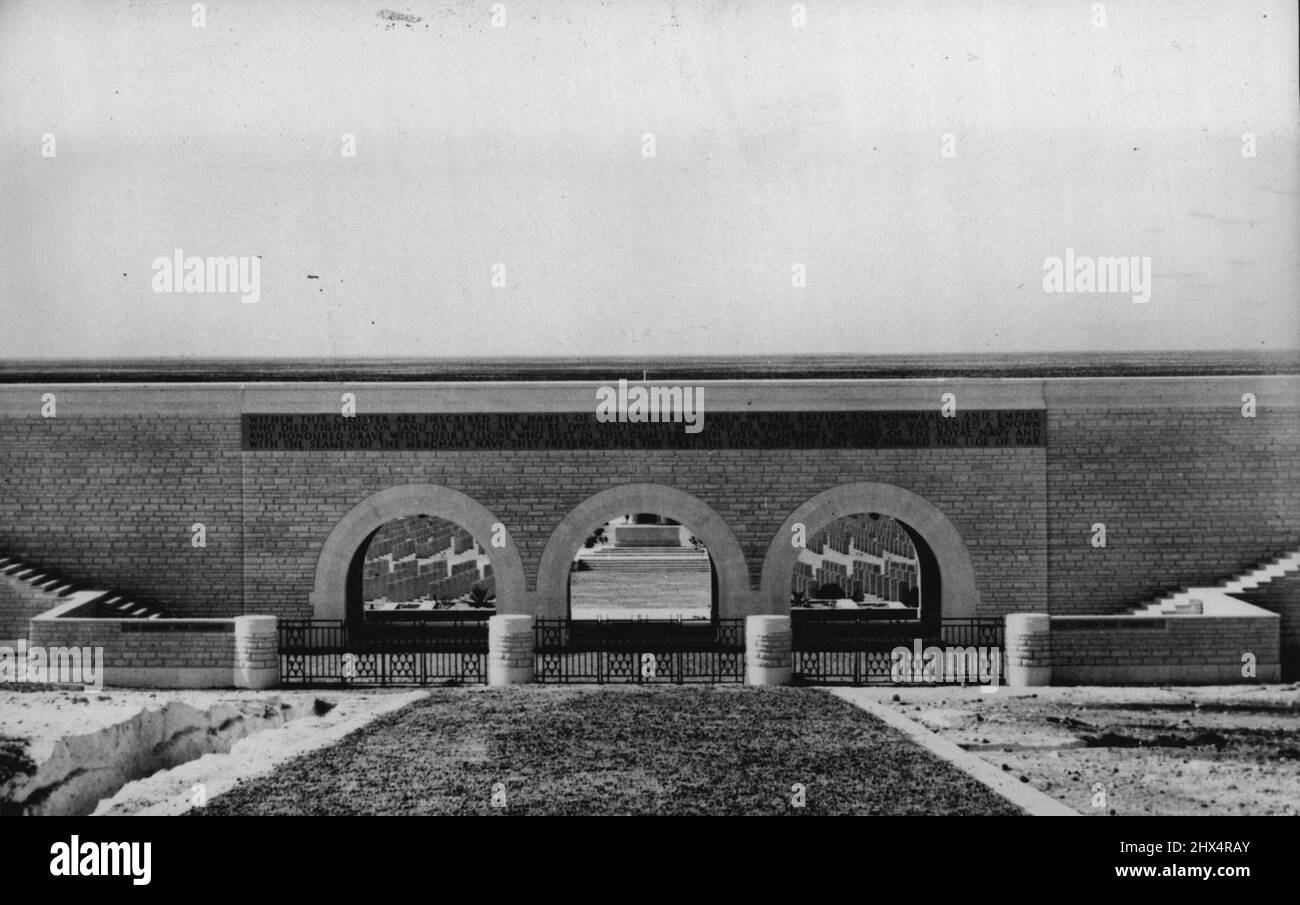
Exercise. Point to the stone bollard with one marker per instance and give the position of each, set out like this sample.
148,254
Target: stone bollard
257,652
768,659
1028,644
510,650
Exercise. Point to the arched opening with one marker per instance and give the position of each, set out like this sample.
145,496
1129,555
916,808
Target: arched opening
420,568
642,565
340,587
908,582
870,563
729,585
945,575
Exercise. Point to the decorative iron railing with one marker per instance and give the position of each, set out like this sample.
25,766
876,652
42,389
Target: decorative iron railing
336,652
848,651
640,651
826,651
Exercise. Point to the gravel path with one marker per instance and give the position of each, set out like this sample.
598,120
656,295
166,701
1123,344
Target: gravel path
1166,751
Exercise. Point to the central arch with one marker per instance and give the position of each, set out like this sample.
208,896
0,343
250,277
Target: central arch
564,543
337,565
943,553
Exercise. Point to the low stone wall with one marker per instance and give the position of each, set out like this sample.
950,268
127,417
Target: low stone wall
1282,596
1208,648
171,653
1184,648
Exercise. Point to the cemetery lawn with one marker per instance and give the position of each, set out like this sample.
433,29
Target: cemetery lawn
617,750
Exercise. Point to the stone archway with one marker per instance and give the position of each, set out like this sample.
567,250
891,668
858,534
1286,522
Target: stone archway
732,574
935,537
330,595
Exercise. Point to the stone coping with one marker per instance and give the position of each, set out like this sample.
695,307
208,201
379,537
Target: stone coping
224,400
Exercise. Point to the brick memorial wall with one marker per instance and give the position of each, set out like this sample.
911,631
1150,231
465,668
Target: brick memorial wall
107,491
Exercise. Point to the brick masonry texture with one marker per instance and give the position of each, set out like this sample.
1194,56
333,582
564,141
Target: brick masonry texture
1190,641
1179,650
994,497
1282,596
108,502
127,650
19,602
1189,495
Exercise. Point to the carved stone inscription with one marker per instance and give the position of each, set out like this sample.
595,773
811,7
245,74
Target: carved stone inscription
581,430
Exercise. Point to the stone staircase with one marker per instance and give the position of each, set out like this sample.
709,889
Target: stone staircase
1185,600
27,591
646,559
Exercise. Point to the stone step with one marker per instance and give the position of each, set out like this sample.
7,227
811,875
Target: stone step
1277,567
61,591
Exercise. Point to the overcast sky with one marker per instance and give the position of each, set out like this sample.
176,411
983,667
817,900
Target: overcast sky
523,145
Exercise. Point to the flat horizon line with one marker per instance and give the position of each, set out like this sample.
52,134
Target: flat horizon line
175,369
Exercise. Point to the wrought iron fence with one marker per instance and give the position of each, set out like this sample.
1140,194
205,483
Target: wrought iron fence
849,651
641,651
826,651
335,652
